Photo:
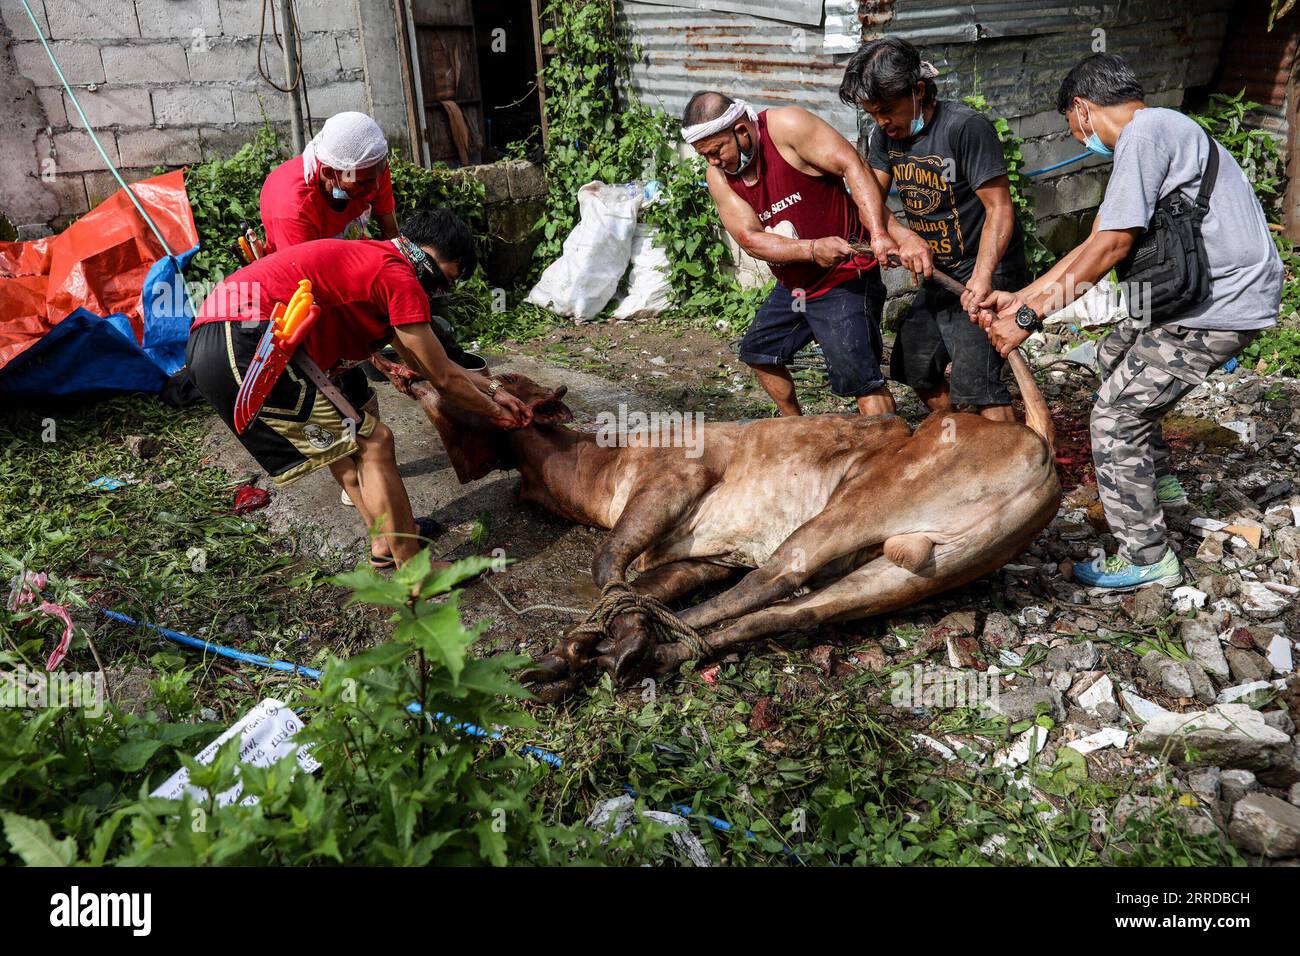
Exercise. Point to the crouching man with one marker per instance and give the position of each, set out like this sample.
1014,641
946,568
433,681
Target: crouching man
369,292
778,178
1146,368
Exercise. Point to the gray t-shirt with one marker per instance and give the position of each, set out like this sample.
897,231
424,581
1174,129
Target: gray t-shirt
1161,150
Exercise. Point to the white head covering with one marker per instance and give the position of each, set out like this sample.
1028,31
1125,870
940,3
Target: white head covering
928,70
733,115
347,141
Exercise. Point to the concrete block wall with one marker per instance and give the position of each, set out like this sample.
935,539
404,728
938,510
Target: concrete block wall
167,83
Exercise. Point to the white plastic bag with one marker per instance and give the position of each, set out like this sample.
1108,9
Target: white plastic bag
581,282
648,289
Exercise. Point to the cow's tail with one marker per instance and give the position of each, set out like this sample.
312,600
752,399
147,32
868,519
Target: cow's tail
1037,415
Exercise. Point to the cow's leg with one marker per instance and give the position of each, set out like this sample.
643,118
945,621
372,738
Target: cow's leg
875,588
648,516
666,583
856,517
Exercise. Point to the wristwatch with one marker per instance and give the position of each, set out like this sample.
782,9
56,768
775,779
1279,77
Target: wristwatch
493,385
1028,319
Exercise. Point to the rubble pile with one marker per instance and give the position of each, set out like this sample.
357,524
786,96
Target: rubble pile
1197,681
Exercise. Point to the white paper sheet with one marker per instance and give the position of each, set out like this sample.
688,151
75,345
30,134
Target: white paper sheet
268,736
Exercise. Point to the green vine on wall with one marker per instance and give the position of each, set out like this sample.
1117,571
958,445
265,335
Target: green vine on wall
597,134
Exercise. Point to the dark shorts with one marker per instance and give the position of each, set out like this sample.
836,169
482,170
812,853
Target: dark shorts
845,321
298,430
936,331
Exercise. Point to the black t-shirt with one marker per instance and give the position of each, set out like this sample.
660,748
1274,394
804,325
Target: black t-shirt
937,173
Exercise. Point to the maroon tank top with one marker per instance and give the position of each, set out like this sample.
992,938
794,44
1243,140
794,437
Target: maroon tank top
815,206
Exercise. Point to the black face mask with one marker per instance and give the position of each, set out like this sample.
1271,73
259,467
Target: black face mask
432,279
742,159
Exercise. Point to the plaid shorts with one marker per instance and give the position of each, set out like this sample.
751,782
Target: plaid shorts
298,429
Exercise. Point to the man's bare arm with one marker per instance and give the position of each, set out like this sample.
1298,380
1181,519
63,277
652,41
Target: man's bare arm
740,220
387,225
421,350
824,149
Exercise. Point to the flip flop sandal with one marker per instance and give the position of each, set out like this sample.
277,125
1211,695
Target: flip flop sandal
425,527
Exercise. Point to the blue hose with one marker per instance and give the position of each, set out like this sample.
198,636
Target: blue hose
198,643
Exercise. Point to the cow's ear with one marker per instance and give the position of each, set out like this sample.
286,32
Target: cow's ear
474,445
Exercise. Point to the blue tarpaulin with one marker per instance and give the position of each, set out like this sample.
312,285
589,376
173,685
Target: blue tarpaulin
93,356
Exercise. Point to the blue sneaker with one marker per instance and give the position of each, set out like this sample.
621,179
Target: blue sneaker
1170,492
1116,574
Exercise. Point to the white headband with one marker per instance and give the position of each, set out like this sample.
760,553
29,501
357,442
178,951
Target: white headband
730,118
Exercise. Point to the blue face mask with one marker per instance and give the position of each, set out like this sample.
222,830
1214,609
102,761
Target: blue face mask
1093,143
338,194
918,124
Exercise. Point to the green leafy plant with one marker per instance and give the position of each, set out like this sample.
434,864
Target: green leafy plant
407,776
1258,154
223,193
596,135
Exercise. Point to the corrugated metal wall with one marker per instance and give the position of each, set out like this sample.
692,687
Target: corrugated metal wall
767,62
1016,51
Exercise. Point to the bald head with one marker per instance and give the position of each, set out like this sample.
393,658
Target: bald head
705,106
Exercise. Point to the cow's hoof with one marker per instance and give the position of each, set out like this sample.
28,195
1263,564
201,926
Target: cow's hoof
554,691
545,669
627,660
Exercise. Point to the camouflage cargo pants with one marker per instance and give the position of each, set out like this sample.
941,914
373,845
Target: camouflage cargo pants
1144,372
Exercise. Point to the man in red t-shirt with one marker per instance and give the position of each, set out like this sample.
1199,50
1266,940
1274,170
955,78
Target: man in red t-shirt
369,292
341,177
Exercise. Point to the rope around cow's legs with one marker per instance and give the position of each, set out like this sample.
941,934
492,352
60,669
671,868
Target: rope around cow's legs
618,597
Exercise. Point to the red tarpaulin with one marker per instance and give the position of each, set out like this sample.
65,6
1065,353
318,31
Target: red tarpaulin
99,263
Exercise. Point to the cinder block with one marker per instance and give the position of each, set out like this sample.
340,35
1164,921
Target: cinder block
92,19
146,63
193,106
19,24
1068,194
73,151
225,142
349,47
174,146
242,18
495,179
70,192
261,103
227,60
186,19
334,98
114,106
51,100
325,16
80,62
320,57
102,184
1050,150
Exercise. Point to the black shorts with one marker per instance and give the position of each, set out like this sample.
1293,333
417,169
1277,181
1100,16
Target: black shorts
936,331
298,430
845,321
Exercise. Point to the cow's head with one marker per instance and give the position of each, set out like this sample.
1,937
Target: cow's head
474,444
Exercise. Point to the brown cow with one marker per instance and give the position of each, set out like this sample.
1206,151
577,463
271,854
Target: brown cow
865,513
